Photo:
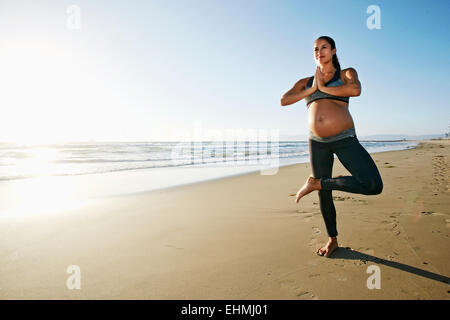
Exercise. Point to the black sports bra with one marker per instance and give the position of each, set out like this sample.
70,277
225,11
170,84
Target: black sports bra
316,95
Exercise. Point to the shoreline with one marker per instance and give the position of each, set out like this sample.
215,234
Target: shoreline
127,182
243,237
237,175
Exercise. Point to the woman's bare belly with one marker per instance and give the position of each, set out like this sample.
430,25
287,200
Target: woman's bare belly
327,117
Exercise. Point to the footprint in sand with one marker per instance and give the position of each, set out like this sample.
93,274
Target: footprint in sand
447,223
307,215
313,242
394,225
314,275
367,251
394,229
365,260
307,218
292,288
171,246
304,294
338,198
338,277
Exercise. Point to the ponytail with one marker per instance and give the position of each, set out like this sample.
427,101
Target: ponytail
336,62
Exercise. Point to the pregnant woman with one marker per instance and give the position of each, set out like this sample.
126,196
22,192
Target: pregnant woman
332,131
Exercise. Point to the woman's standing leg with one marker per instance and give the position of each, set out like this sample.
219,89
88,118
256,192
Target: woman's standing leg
321,159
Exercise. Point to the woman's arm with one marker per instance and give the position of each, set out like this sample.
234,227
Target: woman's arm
298,92
351,87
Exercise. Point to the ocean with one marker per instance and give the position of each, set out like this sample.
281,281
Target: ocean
18,161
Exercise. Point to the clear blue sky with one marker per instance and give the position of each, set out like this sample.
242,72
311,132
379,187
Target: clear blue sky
136,70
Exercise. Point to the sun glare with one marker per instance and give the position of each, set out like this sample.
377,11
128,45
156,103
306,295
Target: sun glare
42,196
39,163
51,94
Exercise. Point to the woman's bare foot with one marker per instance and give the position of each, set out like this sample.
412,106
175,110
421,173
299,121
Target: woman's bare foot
310,185
328,249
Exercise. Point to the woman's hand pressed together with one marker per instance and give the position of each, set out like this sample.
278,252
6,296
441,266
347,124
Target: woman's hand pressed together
319,81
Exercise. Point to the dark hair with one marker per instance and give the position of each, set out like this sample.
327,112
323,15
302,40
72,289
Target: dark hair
333,46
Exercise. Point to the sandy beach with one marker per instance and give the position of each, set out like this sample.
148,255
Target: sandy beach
244,237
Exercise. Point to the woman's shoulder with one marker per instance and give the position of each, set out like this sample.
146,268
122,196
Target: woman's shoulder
308,81
348,73
303,82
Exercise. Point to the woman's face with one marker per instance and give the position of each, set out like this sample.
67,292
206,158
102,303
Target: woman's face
322,52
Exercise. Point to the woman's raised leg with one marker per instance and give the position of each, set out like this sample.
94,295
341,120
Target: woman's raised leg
365,178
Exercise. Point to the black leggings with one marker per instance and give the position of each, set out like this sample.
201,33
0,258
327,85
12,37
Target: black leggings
365,177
